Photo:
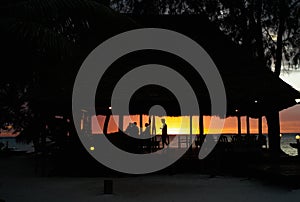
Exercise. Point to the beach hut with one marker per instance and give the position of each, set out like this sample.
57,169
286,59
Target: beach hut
252,90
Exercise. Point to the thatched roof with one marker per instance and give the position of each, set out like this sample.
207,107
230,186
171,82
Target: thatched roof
250,88
245,81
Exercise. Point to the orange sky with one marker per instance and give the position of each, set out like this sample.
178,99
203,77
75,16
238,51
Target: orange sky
289,119
178,125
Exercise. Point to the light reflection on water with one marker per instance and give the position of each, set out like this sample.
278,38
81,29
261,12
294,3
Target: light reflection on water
11,141
285,144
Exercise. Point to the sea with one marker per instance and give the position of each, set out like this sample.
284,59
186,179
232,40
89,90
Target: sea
14,145
286,139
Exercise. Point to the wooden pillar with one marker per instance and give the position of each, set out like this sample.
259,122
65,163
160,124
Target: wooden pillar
141,124
191,129
201,125
105,127
239,125
153,130
274,134
260,126
248,125
121,123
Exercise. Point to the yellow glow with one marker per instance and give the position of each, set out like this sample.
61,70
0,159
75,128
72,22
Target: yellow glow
92,148
177,125
81,124
297,137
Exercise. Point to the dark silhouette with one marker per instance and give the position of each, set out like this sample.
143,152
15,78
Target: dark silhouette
164,133
129,129
146,132
132,130
135,130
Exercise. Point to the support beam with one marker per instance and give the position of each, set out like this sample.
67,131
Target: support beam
274,134
141,124
153,130
239,125
105,127
260,132
248,125
121,123
201,125
191,129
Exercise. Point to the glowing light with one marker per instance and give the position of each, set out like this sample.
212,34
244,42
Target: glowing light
109,107
297,101
297,137
255,101
92,148
236,110
280,135
58,117
81,124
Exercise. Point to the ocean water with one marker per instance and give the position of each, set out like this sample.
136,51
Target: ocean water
11,141
286,139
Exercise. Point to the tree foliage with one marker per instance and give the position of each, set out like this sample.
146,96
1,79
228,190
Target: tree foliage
36,36
269,29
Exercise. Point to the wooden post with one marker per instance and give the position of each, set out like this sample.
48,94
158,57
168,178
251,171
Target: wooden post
273,134
141,124
191,129
121,123
239,125
108,187
248,125
201,125
105,127
260,126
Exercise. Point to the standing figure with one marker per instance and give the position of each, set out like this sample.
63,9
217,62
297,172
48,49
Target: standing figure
135,130
132,130
164,133
146,132
128,130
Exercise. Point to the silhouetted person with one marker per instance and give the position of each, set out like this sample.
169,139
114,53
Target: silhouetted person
135,130
132,130
129,129
146,132
146,141
164,133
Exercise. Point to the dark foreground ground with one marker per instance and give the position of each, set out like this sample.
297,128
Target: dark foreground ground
225,176
20,182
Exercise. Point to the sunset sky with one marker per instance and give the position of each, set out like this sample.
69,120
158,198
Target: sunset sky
178,125
290,118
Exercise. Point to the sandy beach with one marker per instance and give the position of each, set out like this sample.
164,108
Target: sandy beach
18,183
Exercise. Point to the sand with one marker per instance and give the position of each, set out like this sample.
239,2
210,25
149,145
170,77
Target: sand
19,184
